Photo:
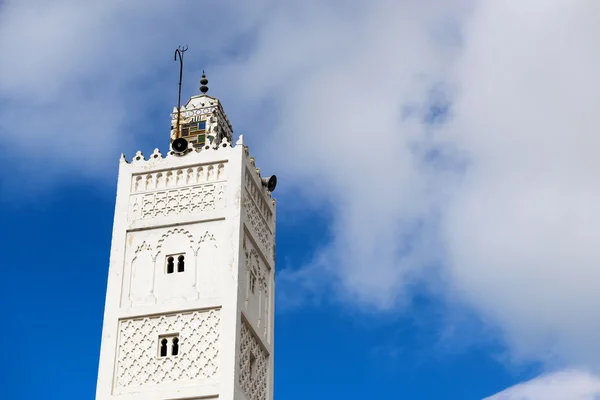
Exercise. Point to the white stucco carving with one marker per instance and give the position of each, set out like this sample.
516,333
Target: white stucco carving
145,276
187,229
258,227
257,304
191,200
138,364
253,362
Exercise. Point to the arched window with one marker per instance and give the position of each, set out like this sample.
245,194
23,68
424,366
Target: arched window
175,347
168,345
170,265
173,259
163,347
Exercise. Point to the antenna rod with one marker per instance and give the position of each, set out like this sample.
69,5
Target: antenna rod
180,50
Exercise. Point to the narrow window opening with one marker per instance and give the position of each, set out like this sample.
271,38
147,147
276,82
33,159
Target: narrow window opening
252,366
175,348
168,345
252,282
180,263
163,347
170,265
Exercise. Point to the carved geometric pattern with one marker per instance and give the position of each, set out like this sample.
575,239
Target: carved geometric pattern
143,247
200,111
207,239
258,227
252,259
138,363
191,200
253,379
256,195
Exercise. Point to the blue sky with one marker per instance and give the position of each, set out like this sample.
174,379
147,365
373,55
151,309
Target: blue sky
417,257
57,277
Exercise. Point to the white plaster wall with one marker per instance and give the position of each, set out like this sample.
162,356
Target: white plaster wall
203,205
197,363
145,279
256,307
258,253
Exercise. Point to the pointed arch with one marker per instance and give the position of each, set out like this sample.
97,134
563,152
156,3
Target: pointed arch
142,247
141,273
207,239
253,260
171,232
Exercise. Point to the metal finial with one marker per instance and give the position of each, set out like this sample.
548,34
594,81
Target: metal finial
203,82
179,52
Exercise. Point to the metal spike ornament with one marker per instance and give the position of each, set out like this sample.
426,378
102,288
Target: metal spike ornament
203,82
179,52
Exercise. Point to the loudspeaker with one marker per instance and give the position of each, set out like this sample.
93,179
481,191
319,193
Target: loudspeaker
179,145
270,183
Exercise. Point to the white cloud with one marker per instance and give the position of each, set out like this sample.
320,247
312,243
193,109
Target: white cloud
79,81
520,231
343,87
515,233
563,385
341,94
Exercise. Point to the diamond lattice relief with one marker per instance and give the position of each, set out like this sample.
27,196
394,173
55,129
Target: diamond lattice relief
253,366
139,363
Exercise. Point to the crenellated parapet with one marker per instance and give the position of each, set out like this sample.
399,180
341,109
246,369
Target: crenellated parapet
140,160
203,171
196,183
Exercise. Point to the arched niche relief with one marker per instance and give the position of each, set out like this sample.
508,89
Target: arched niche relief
169,179
175,264
141,275
189,176
148,184
251,278
257,275
160,181
221,172
208,270
262,298
200,174
210,175
266,301
138,184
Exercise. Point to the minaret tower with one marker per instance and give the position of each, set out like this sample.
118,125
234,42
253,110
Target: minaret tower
189,302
